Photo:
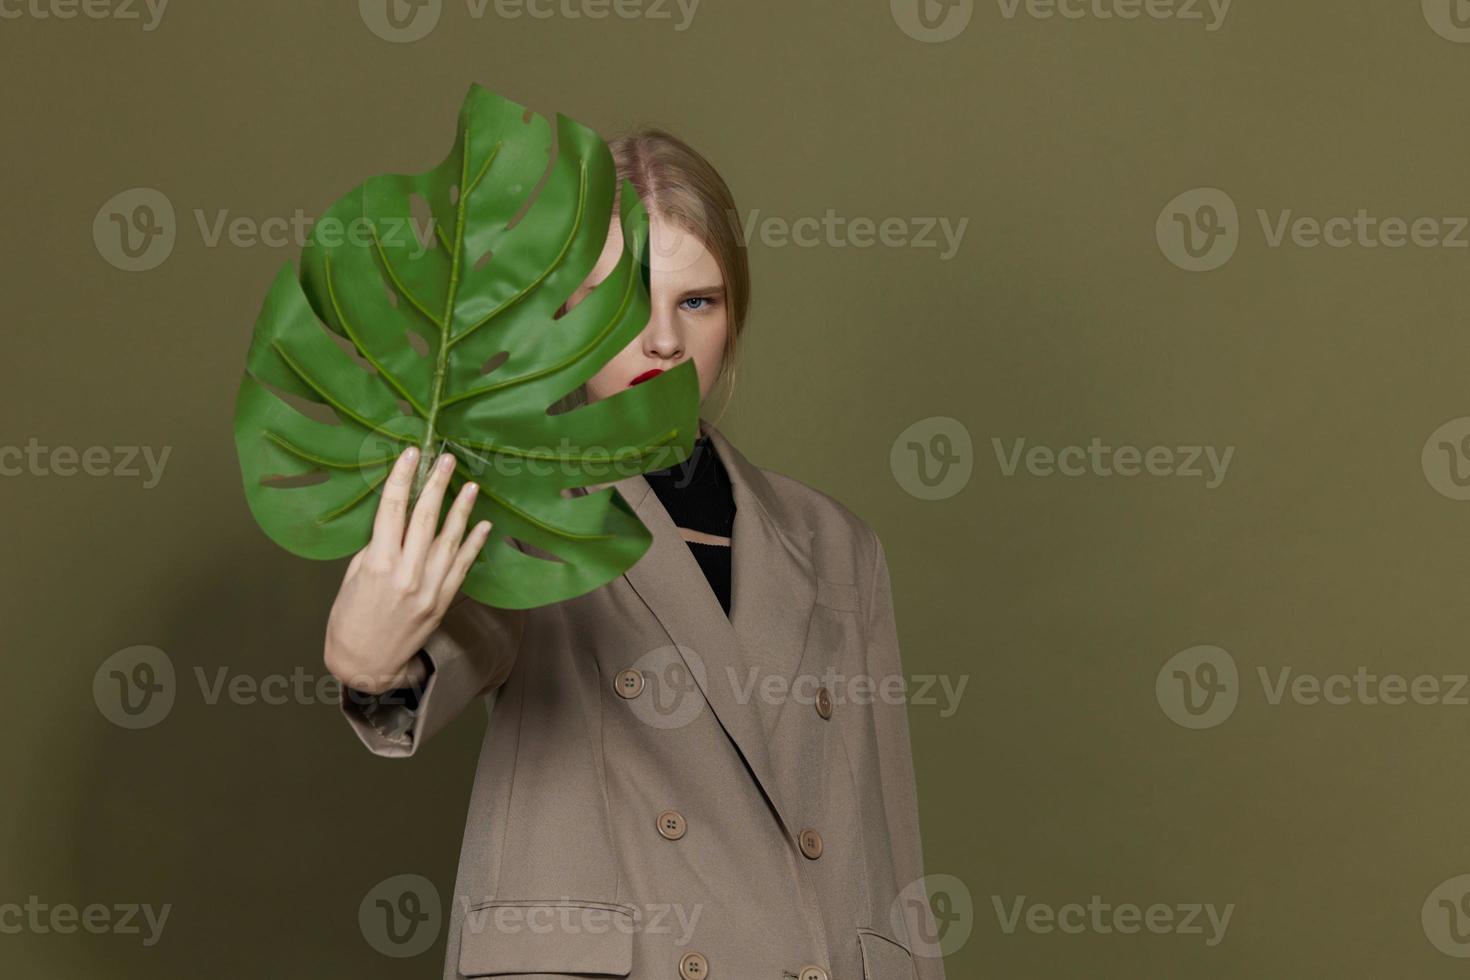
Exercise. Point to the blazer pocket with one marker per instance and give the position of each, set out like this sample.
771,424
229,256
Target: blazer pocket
837,595
884,959
551,936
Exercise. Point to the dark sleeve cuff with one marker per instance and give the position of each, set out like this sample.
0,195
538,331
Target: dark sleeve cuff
408,697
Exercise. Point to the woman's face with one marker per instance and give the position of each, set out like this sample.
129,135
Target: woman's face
688,318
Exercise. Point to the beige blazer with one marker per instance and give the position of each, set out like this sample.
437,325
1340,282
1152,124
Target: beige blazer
667,792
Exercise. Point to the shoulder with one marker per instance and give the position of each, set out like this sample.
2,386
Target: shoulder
844,546
805,508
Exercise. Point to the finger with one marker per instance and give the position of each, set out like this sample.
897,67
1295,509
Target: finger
463,559
388,525
426,514
441,553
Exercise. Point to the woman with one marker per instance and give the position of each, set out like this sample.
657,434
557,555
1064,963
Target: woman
686,772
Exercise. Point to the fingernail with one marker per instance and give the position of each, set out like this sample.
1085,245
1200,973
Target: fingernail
412,452
470,489
446,461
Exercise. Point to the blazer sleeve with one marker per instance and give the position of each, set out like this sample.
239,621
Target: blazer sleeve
895,753
472,653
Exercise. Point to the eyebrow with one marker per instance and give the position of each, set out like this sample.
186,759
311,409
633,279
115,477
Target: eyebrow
717,289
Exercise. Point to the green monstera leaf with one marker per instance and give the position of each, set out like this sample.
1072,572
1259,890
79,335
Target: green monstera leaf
451,341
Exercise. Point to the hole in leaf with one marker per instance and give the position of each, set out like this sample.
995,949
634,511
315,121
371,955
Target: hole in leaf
453,193
482,260
422,220
314,410
282,482
495,362
350,349
552,152
405,407
572,400
418,342
533,551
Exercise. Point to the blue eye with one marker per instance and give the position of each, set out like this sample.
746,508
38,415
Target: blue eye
705,300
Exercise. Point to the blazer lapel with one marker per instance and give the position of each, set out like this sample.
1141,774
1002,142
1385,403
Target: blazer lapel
773,589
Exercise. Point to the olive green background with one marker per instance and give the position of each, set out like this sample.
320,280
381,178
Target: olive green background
1056,600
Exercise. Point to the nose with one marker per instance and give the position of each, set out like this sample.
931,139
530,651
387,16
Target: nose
661,338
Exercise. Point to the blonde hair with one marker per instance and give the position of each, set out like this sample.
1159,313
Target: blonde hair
676,183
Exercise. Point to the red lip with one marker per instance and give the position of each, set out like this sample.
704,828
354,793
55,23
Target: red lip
645,376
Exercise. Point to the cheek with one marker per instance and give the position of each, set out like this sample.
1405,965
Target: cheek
617,372
712,344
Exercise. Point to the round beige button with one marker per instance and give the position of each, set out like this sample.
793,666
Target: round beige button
824,703
811,843
671,824
813,973
694,966
629,683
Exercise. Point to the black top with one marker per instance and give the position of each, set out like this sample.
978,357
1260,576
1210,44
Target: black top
698,496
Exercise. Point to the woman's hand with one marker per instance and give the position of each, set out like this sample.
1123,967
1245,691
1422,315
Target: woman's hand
398,588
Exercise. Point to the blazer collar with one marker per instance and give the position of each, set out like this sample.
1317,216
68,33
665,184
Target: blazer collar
773,589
